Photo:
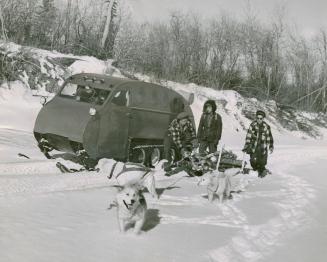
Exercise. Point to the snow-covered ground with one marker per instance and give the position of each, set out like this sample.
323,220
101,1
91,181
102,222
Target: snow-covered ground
50,216
46,215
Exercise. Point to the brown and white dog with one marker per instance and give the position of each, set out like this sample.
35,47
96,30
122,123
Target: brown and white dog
123,174
131,208
219,183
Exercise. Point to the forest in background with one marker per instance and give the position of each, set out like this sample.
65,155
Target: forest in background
262,60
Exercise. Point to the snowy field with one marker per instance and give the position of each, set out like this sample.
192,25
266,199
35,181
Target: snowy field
50,216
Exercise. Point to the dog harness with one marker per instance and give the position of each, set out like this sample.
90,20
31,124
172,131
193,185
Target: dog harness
136,167
112,170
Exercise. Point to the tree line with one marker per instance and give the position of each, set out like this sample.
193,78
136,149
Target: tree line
264,60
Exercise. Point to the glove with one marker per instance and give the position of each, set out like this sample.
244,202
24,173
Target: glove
185,153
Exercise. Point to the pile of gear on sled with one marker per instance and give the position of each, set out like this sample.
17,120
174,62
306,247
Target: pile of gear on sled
196,164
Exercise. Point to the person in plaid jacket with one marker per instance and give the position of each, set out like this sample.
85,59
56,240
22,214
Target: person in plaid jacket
181,135
258,141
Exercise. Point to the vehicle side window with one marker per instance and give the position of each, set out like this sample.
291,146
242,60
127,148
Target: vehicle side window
69,90
121,98
101,96
151,97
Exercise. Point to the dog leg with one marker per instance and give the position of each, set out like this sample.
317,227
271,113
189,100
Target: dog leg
228,188
150,185
138,226
210,195
221,189
221,198
121,225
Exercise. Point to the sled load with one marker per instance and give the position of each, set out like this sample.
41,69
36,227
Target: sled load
196,165
97,116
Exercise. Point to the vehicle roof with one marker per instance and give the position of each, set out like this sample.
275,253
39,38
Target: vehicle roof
98,80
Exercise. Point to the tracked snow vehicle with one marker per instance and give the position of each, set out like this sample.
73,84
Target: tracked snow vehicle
97,116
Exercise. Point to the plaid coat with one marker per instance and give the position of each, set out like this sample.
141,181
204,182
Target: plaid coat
181,135
252,137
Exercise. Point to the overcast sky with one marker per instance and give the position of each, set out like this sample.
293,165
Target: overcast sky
309,15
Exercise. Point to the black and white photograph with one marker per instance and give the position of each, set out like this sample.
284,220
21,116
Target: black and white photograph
163,130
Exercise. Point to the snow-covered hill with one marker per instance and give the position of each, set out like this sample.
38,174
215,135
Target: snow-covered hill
50,216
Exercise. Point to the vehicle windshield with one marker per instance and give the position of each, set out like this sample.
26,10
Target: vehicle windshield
84,93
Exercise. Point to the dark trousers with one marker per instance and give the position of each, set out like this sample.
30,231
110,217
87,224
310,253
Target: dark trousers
168,146
206,144
258,159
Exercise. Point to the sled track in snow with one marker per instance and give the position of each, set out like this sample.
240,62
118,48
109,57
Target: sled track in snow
16,138
49,184
29,167
227,214
36,177
254,242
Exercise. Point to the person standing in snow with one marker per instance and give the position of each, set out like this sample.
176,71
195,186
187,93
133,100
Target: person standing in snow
258,140
210,128
181,135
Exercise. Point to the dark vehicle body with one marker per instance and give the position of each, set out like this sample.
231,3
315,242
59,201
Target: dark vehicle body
107,117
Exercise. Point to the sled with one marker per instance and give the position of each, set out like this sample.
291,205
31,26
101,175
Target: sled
196,165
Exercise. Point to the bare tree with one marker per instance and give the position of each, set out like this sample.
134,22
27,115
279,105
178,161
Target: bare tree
107,23
3,28
321,47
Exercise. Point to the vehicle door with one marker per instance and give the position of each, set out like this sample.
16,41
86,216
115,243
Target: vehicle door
149,112
114,125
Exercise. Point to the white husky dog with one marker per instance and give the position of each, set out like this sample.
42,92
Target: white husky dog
124,174
218,182
131,208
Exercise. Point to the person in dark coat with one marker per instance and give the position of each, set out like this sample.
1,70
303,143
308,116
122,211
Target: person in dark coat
180,135
210,128
258,140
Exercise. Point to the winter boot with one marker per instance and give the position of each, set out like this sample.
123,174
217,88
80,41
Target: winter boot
262,173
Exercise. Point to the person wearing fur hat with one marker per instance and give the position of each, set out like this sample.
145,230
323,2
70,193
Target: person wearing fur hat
258,140
180,134
210,128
